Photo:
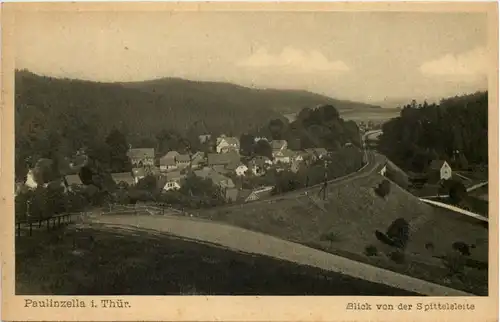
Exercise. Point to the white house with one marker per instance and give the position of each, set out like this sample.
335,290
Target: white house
241,170
30,180
172,181
441,169
283,156
383,171
227,144
279,145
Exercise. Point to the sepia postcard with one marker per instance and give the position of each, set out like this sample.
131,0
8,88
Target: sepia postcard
238,161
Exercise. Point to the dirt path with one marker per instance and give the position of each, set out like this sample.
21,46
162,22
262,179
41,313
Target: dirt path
252,242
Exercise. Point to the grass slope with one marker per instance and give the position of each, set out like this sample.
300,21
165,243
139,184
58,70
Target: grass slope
353,213
111,261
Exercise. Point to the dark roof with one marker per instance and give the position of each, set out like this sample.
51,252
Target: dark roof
278,144
222,158
198,157
183,158
123,176
230,140
436,164
73,179
141,153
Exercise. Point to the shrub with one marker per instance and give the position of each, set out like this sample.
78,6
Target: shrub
399,232
429,246
457,192
398,257
331,237
371,250
461,247
383,189
455,263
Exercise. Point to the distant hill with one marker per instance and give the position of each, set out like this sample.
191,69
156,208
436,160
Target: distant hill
239,97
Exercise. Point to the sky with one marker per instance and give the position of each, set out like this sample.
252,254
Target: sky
363,56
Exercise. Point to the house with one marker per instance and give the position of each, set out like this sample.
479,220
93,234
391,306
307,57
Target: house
167,162
241,170
123,178
30,180
383,171
170,181
260,193
279,145
138,174
316,153
73,180
204,138
182,161
227,144
260,138
439,170
197,160
259,165
214,159
283,156
141,157
226,184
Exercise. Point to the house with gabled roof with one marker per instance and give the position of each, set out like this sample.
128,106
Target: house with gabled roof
283,156
316,153
198,160
227,144
439,170
167,162
225,159
141,157
170,181
123,178
224,183
279,145
182,161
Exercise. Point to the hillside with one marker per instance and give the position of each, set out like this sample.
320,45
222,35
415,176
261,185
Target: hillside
353,214
281,101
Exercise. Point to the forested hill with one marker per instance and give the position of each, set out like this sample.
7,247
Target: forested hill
242,98
456,130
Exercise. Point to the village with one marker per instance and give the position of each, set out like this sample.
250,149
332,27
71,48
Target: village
223,165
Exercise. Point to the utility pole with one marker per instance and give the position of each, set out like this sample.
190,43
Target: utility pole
325,181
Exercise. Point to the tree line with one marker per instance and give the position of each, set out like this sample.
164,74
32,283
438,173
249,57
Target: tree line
455,130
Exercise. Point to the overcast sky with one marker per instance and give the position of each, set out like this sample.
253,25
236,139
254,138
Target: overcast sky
358,56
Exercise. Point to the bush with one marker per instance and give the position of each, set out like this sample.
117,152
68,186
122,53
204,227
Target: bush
399,232
429,246
455,263
383,189
371,251
457,192
461,247
397,257
330,237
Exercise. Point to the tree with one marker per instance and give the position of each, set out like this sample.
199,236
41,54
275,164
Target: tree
247,142
263,148
384,188
148,183
399,232
457,192
277,127
118,148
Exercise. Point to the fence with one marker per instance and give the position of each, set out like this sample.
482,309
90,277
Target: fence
50,223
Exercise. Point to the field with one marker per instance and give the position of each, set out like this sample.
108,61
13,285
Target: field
98,260
353,212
